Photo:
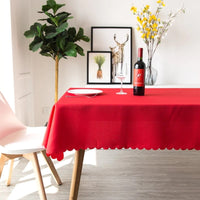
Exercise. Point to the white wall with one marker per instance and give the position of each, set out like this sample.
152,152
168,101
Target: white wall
22,62
6,67
177,58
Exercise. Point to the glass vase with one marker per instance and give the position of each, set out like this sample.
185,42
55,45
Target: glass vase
150,73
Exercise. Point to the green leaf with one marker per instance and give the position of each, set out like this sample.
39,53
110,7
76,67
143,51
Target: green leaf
71,52
71,49
61,43
45,48
52,18
43,28
48,14
29,33
79,34
45,54
45,8
70,45
43,19
62,27
72,33
51,3
56,7
64,15
34,30
50,29
35,45
80,50
50,21
51,35
39,30
85,38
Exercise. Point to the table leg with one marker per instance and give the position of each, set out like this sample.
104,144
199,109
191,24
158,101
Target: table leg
76,176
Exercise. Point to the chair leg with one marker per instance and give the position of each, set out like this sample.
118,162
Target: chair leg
10,172
52,168
34,159
3,159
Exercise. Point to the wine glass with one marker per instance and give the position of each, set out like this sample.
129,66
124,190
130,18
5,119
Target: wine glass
121,75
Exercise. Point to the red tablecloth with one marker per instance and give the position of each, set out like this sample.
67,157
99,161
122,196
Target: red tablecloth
163,118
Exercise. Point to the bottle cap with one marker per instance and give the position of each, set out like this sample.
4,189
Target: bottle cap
140,52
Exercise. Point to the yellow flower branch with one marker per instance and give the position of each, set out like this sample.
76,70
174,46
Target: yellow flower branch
150,25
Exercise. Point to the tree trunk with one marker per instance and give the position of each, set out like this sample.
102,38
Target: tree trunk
56,78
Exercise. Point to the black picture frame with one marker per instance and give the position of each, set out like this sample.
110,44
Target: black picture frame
94,75
102,39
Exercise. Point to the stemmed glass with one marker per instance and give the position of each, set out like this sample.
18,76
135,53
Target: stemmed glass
121,74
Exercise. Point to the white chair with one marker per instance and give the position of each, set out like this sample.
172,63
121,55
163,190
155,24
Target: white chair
17,140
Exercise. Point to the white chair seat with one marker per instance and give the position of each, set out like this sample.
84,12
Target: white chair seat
17,140
24,141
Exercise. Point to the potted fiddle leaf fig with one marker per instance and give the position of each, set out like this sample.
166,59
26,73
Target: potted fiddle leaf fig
55,38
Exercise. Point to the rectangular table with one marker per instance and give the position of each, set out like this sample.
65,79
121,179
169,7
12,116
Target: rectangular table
164,118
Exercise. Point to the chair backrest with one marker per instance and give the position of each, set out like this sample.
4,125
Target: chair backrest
8,121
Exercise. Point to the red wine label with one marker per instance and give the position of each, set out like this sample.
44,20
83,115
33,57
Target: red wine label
138,78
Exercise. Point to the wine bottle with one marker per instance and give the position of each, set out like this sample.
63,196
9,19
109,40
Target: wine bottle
139,75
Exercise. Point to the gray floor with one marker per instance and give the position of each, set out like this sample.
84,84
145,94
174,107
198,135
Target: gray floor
114,175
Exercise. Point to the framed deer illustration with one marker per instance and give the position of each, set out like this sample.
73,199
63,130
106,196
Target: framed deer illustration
118,40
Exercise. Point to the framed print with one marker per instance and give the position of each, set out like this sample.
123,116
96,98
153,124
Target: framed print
99,67
118,40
